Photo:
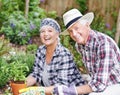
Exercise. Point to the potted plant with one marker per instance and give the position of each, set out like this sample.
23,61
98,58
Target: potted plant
20,66
17,74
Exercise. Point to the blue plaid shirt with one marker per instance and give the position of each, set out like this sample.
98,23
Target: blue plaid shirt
62,69
101,57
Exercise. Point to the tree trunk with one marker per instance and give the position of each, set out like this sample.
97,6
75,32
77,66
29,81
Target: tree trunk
117,35
26,8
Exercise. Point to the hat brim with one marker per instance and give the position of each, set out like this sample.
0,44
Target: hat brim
88,17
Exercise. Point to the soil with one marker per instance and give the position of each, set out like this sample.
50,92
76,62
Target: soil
19,82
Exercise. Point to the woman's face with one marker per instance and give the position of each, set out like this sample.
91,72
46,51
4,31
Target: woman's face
48,35
79,32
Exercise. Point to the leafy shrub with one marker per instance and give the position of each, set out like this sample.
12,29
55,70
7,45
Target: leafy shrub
4,77
31,48
16,27
98,23
82,5
4,46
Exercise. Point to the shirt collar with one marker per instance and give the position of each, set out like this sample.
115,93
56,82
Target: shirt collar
90,38
56,52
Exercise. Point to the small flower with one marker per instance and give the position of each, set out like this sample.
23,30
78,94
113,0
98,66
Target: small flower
30,41
12,52
32,26
12,25
42,1
107,25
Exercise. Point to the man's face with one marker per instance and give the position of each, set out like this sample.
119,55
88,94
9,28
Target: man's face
79,32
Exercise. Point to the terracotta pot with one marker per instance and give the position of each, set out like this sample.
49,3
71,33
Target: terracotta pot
15,87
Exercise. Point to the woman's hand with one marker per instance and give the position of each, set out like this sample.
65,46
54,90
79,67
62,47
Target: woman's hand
30,81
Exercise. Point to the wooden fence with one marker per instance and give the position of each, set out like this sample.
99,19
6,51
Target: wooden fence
101,6
106,8
59,6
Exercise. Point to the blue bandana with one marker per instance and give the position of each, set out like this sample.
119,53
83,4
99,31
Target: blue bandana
50,22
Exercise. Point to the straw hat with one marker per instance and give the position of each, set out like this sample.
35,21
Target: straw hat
70,17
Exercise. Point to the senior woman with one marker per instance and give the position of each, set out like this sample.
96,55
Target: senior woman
54,64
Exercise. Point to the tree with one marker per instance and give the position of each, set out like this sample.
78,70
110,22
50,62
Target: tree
117,35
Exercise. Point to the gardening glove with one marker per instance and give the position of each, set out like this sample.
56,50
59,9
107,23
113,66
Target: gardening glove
32,91
64,90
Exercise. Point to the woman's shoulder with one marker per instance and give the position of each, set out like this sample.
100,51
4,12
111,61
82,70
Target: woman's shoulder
41,48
